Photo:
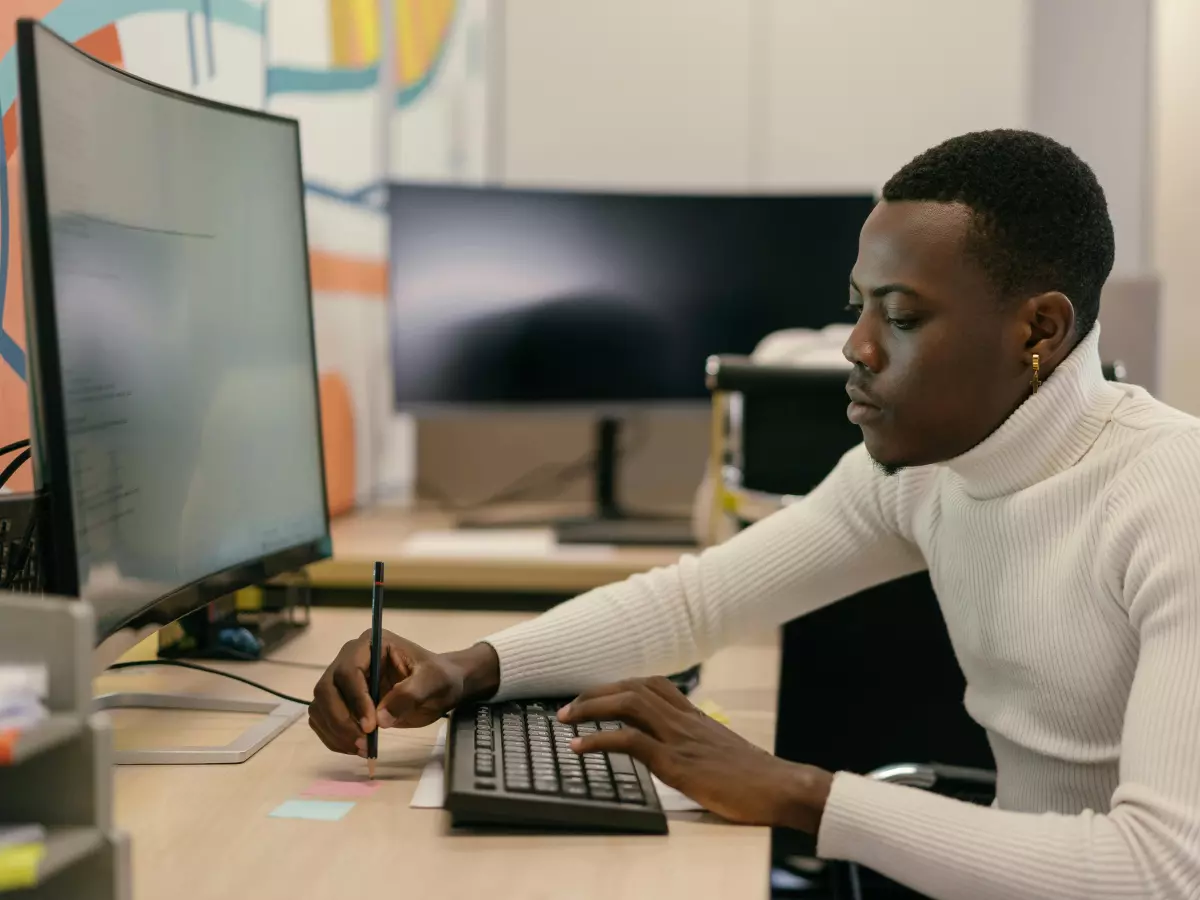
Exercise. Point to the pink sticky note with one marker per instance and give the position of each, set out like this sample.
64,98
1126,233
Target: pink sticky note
341,789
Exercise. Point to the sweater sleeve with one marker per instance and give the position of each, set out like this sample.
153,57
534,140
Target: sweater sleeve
843,537
1148,843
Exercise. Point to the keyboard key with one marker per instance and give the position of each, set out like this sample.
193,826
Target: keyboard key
572,788
485,785
602,792
545,786
610,726
630,793
620,763
624,778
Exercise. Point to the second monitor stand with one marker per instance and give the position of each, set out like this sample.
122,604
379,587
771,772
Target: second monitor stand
609,523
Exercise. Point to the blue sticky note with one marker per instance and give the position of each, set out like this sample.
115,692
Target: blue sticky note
320,810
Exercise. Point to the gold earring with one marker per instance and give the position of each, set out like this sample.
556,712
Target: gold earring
1035,381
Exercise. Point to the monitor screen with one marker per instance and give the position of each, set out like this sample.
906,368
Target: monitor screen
173,368
505,297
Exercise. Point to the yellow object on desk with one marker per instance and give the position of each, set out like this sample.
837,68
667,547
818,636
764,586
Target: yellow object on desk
713,711
19,865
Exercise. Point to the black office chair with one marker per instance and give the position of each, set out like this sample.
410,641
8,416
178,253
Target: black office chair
867,685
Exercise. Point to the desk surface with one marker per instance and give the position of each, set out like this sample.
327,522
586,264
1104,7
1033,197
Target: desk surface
203,831
380,533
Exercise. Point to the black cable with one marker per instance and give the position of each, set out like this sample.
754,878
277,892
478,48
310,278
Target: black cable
135,663
19,460
239,656
15,445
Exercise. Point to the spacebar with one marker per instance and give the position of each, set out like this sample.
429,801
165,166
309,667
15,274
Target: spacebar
621,764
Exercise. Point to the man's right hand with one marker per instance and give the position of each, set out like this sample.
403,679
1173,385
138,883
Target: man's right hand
416,687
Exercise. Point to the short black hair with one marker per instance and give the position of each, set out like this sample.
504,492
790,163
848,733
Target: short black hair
1041,222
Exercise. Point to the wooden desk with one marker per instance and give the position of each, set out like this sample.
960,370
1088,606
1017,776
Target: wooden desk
379,533
203,833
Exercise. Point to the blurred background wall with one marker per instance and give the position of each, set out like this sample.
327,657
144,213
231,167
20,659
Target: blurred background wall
738,95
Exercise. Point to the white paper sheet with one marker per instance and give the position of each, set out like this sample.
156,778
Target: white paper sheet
430,792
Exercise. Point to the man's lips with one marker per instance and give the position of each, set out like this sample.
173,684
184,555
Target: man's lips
863,408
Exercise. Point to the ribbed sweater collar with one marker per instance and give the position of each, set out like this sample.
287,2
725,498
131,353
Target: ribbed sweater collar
1048,433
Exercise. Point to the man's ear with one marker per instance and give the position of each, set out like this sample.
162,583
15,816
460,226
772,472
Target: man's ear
1050,321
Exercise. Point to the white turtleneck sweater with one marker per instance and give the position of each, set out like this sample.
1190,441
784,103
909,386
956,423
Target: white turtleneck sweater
1065,552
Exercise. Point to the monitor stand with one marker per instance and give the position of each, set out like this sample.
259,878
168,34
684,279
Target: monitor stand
276,715
610,523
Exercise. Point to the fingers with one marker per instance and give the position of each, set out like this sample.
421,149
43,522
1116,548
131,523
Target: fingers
629,740
666,689
636,704
338,729
332,737
415,701
351,683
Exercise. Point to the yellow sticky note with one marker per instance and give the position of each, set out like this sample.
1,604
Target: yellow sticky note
19,865
248,599
713,711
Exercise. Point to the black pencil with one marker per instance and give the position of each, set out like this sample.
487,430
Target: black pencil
376,643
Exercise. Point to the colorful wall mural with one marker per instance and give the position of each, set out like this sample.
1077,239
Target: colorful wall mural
316,60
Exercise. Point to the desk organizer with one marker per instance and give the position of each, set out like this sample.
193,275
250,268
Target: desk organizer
59,773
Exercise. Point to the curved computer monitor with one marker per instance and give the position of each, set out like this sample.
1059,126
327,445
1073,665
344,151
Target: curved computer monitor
173,376
523,298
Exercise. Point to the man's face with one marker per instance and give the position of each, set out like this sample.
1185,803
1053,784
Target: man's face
937,356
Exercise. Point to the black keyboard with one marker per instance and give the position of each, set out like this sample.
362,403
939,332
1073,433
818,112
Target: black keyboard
511,764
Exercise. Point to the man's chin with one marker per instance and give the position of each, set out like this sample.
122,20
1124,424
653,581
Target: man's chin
884,462
888,468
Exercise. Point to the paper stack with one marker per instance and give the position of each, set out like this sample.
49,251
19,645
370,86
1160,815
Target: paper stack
23,690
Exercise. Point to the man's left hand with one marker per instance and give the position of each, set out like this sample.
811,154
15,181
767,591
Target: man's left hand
698,756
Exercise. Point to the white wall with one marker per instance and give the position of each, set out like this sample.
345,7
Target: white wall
626,93
1176,218
856,88
736,94
1091,90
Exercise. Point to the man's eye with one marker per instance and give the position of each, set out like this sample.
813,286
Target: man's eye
904,324
854,309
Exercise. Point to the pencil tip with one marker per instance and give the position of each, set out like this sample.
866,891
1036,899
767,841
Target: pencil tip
371,769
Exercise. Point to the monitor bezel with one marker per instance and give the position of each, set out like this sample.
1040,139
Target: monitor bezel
61,573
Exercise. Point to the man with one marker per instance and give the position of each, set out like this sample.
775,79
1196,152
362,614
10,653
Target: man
1059,518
